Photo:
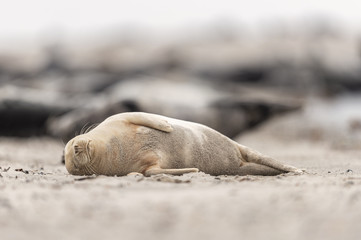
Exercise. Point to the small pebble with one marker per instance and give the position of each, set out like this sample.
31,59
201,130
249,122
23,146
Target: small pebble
22,170
349,171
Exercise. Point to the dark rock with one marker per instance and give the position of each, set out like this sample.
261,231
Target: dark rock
23,112
77,121
194,101
245,114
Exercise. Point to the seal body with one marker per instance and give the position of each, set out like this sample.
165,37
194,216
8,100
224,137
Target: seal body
154,144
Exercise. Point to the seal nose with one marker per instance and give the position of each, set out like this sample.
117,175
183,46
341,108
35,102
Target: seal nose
76,149
80,145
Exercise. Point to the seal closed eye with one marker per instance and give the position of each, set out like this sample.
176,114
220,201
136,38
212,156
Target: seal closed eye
153,144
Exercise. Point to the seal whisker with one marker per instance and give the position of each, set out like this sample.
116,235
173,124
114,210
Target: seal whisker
83,129
91,127
87,170
92,169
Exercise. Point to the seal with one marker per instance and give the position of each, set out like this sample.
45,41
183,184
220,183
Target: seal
153,144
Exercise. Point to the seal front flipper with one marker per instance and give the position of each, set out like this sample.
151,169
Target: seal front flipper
148,120
158,170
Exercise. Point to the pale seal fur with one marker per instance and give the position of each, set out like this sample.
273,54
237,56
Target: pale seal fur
153,144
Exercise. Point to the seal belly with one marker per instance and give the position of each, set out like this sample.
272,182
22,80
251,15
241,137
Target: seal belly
199,147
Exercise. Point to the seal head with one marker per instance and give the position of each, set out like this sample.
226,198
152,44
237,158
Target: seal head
80,155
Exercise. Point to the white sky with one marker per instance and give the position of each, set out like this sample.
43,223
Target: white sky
31,17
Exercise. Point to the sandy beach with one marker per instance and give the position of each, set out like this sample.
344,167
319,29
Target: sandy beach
280,77
40,200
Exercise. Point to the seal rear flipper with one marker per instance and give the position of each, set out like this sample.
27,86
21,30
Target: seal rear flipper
180,171
148,120
252,156
257,169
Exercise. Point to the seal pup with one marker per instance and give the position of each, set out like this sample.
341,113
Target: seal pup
152,144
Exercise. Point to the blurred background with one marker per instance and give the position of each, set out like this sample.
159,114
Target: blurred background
231,65
282,77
